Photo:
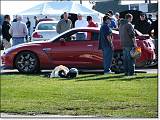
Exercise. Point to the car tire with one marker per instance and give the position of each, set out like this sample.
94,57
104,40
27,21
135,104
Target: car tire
139,65
27,62
117,63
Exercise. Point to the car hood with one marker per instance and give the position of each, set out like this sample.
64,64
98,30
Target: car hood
34,43
30,44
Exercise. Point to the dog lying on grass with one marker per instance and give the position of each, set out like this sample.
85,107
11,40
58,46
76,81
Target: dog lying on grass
64,72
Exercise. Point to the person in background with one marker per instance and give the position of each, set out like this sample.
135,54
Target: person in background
110,13
91,22
105,44
28,23
18,31
64,24
150,18
80,23
36,21
5,32
117,19
113,20
154,26
127,37
142,25
15,19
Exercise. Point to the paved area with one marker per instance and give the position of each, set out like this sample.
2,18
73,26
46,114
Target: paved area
14,115
7,71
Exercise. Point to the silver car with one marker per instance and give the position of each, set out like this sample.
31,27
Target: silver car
45,30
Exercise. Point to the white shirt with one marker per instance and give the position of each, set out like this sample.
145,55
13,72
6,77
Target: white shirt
18,29
81,23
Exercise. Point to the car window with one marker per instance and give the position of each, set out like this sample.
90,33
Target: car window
95,35
82,36
47,26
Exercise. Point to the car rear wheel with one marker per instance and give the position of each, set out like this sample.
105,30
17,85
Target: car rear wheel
117,62
27,62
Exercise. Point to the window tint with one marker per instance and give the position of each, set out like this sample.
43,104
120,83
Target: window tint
95,35
47,26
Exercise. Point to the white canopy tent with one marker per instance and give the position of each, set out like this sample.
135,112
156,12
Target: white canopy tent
54,9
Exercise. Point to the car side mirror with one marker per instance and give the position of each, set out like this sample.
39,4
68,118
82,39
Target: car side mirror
62,41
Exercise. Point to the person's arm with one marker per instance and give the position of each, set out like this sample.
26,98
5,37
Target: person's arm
109,38
25,30
131,33
58,28
150,29
71,24
11,31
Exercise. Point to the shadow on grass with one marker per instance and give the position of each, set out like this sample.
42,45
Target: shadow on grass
118,78
18,73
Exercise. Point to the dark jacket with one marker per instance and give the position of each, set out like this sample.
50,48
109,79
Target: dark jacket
104,32
63,25
142,26
127,33
154,26
28,23
5,30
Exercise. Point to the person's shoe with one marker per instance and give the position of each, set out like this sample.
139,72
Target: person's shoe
108,73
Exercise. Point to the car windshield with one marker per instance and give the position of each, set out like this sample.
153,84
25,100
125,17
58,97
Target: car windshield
47,26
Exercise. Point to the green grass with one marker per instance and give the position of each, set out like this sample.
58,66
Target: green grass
88,94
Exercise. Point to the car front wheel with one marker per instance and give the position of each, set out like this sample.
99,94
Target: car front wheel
27,62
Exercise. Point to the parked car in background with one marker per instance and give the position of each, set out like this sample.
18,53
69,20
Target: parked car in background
44,30
1,22
66,49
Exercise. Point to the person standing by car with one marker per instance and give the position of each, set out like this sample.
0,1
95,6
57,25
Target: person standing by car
142,25
36,22
127,37
113,19
80,23
91,22
5,32
64,24
28,23
15,19
154,26
105,44
18,31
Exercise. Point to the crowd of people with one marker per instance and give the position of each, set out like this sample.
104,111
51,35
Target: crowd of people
18,31
127,37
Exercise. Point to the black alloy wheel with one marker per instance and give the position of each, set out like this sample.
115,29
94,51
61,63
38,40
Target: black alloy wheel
27,62
117,63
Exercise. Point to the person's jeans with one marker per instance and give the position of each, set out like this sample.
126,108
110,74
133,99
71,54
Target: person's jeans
29,29
17,40
107,59
128,62
6,43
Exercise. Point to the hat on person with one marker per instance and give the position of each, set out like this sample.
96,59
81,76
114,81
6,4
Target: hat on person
79,14
116,14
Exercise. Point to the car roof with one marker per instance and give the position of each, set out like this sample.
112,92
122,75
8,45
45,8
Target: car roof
48,22
92,28
86,28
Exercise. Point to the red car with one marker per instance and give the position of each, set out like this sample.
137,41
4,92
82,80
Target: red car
66,49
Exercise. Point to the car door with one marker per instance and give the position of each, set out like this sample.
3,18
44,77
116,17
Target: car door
97,55
72,52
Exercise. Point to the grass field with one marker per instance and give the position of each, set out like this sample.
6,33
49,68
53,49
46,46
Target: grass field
88,94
